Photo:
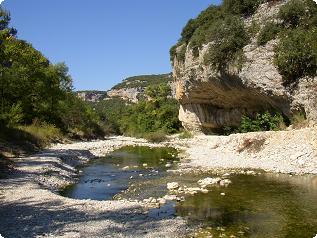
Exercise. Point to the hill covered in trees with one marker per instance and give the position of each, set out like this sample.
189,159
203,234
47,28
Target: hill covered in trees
141,106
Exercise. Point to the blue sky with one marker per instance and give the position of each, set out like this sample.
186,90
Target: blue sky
104,41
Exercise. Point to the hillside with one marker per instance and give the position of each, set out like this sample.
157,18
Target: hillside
133,88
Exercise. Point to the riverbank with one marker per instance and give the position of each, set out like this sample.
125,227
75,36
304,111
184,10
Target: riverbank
293,151
30,206
28,196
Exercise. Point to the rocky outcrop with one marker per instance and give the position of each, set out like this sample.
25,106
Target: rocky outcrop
91,96
129,94
211,100
133,89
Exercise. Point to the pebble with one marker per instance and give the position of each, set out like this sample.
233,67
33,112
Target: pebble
172,186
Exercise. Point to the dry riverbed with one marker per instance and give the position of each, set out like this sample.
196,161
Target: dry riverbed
31,207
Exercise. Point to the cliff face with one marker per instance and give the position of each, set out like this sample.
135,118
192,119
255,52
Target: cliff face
133,89
91,96
211,100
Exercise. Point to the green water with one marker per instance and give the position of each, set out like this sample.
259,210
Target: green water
265,205
104,178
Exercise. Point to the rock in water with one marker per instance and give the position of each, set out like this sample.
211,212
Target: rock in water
172,186
208,181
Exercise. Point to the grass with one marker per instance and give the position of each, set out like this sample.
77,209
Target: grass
156,137
299,120
186,135
44,133
22,140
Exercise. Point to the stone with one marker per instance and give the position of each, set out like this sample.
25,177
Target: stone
161,201
168,165
250,172
172,186
170,197
225,182
208,182
126,168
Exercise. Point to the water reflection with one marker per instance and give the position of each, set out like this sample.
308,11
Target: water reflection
257,206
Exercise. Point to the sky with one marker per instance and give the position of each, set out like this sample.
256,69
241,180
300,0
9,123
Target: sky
104,41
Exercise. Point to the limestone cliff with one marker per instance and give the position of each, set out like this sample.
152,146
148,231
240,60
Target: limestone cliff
132,89
211,99
91,96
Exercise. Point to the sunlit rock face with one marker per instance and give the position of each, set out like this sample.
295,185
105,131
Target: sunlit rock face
211,100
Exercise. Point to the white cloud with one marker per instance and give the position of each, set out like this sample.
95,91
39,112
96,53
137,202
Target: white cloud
3,0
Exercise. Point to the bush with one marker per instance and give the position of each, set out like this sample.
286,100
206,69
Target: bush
261,122
292,13
268,32
241,7
228,37
299,120
186,135
296,54
155,137
254,28
13,116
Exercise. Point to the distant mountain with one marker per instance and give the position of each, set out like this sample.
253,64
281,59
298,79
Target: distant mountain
130,89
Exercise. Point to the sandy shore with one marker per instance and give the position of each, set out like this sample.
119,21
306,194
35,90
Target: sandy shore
30,206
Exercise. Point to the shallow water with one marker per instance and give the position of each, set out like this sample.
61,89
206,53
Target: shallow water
103,178
265,205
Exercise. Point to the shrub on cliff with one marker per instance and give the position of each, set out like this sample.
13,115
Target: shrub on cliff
296,54
221,25
228,37
268,32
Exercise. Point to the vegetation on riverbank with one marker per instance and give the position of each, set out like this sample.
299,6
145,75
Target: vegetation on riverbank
152,117
37,104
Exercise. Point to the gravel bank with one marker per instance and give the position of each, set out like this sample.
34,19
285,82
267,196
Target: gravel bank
30,206
292,151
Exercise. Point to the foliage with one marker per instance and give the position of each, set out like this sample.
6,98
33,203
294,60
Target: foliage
268,32
79,119
156,137
254,28
111,111
186,135
155,113
299,120
151,116
292,13
143,81
228,38
261,122
241,7
33,89
220,25
296,54
43,133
